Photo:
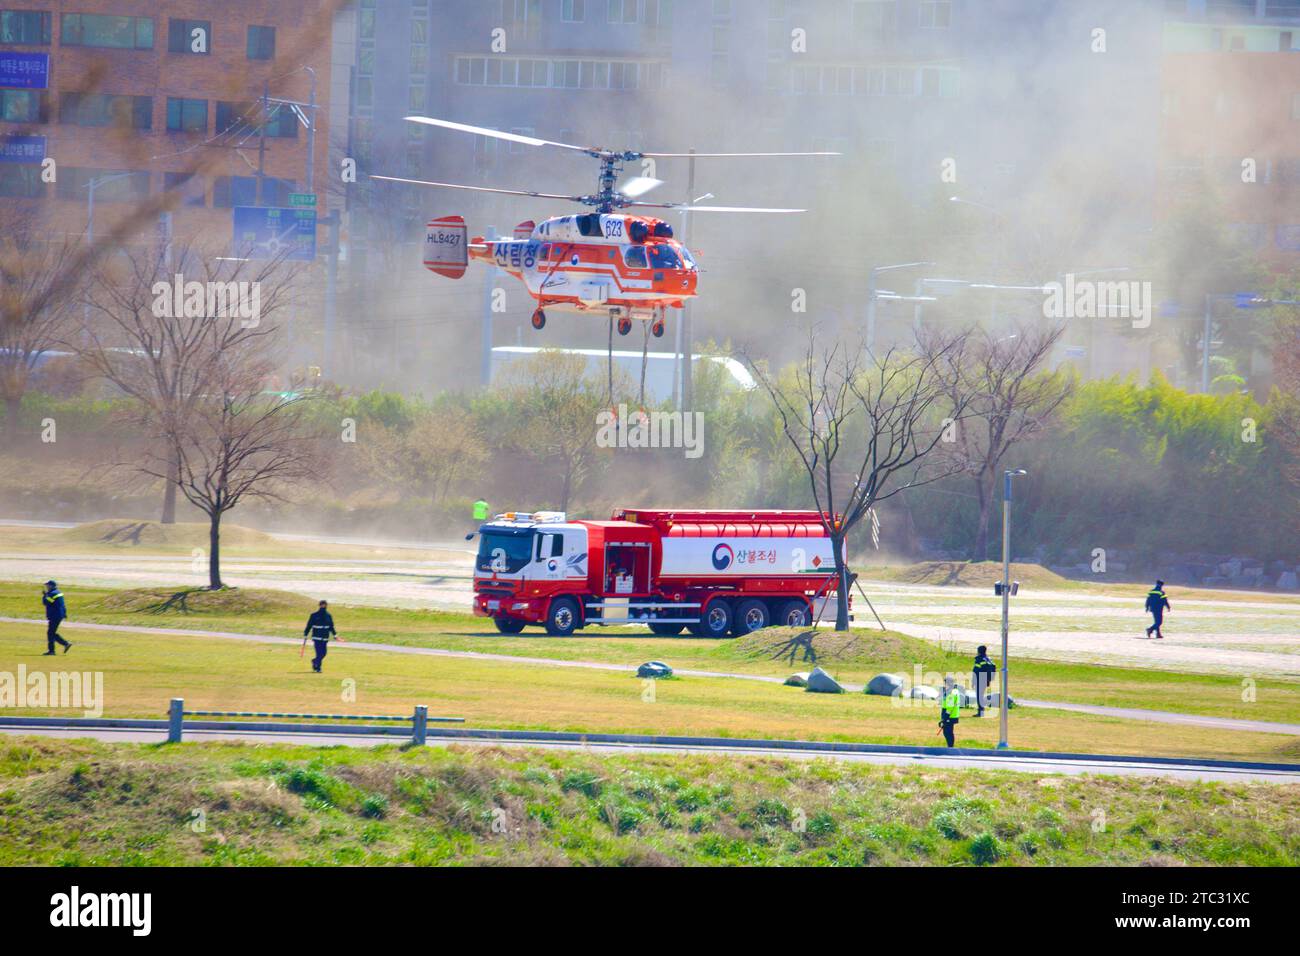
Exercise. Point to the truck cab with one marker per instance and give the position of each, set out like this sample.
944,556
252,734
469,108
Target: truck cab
524,559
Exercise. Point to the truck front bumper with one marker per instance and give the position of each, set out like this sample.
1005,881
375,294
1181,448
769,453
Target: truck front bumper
509,606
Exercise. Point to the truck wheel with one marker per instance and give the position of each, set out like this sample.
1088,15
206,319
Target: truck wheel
792,614
716,619
751,615
562,618
509,625
666,630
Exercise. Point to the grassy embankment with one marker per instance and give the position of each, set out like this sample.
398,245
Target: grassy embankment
86,803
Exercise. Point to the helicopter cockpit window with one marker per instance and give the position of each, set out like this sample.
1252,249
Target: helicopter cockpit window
690,259
634,256
663,257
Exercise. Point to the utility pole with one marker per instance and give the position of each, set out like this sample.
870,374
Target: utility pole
1205,346
333,221
1003,700
485,367
261,144
687,352
311,133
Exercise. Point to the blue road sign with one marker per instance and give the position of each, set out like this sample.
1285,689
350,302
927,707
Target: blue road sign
268,232
22,149
26,71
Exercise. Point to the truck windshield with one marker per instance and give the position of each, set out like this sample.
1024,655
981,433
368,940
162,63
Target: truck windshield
504,552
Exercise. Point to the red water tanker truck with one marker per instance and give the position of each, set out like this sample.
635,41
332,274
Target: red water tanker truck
711,572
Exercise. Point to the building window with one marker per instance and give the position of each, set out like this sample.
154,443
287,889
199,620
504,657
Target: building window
623,11
874,19
98,30
236,117
189,36
934,14
261,43
416,99
282,123
187,186
111,185
23,106
573,11
561,74
31,27
102,109
231,191
21,181
522,11
187,116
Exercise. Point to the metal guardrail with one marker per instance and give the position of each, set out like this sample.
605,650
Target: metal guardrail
176,714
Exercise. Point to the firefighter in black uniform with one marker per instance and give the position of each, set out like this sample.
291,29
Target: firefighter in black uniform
982,672
321,627
56,612
1157,604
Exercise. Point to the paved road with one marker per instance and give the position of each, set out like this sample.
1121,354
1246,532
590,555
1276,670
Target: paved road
1129,713
964,760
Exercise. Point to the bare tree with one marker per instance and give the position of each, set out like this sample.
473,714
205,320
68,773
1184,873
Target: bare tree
35,296
1010,397
156,343
237,441
865,429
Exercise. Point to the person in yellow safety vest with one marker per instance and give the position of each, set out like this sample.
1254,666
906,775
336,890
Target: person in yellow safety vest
480,510
950,710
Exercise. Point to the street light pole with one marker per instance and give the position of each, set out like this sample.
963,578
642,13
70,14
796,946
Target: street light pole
872,295
1007,477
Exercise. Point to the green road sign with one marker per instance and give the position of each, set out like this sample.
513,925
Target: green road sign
302,199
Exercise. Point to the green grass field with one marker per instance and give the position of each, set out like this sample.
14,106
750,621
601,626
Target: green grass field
141,671
86,803
854,658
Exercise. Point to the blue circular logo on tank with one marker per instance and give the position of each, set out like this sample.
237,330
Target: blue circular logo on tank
722,557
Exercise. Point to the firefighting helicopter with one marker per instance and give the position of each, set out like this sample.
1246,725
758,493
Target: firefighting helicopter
605,262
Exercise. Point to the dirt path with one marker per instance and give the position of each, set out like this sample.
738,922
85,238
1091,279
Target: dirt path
1255,638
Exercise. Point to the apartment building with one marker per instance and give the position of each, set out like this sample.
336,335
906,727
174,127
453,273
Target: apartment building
206,103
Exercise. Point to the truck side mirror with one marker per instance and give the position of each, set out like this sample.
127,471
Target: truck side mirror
470,536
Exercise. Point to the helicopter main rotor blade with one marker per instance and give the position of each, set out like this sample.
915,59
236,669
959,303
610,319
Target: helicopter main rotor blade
639,186
728,155
686,207
494,133
479,189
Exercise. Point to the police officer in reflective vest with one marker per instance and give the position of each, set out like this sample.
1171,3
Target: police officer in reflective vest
320,626
56,612
983,672
1157,604
480,510
950,710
